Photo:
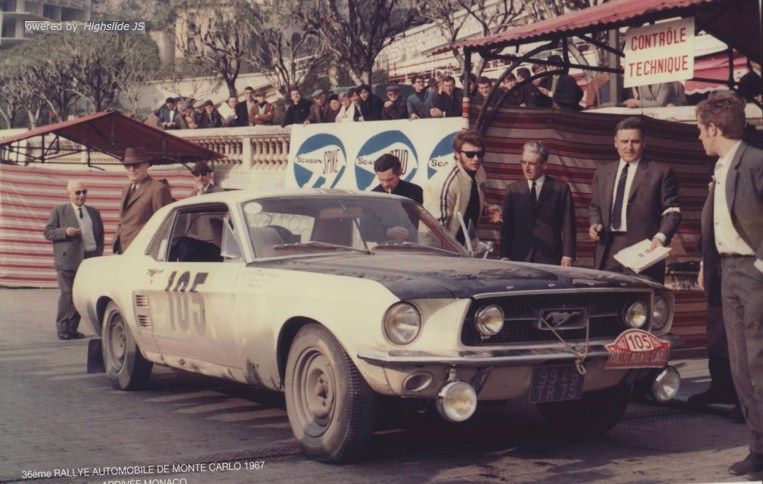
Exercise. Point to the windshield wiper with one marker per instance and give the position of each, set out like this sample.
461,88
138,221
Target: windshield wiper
404,244
314,244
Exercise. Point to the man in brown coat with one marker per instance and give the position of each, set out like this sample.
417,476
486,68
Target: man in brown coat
140,199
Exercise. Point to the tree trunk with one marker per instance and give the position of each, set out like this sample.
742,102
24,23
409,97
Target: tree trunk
231,83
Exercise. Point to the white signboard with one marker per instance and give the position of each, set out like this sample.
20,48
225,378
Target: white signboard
659,53
342,155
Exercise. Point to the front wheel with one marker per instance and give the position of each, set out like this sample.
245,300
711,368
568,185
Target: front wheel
595,413
331,408
125,365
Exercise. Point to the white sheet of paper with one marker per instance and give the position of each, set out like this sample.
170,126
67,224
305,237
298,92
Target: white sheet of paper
637,258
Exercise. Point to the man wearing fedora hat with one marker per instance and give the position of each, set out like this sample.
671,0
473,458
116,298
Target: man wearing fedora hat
140,199
202,175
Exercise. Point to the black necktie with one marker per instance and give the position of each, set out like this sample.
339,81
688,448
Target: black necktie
619,195
533,195
80,212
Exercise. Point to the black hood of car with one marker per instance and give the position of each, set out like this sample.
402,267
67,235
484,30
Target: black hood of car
411,276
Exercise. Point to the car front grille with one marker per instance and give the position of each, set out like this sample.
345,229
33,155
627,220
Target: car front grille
522,317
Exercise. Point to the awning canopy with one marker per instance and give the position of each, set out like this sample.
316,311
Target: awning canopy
108,132
735,22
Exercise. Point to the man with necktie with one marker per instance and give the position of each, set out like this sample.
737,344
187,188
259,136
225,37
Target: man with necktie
140,199
538,214
632,200
76,231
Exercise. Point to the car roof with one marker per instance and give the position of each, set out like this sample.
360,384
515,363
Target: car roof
238,196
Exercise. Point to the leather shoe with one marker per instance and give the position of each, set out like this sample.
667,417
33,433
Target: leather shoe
64,336
752,463
711,396
76,335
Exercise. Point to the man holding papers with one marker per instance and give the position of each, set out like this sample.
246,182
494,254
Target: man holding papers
632,200
732,222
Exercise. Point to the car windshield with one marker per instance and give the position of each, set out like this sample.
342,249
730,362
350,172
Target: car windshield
299,225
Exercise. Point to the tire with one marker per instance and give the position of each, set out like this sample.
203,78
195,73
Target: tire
594,414
125,365
331,408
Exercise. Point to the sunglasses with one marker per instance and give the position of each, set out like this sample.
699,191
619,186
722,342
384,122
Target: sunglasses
199,173
472,154
80,192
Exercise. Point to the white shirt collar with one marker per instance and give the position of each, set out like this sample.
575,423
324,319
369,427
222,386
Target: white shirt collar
725,160
538,181
75,206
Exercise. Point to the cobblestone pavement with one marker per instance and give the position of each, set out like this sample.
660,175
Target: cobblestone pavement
60,424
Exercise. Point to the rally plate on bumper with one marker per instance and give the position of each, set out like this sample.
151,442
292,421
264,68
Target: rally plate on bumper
555,384
636,348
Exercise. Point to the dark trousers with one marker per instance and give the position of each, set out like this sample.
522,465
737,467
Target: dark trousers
742,290
718,352
616,241
67,318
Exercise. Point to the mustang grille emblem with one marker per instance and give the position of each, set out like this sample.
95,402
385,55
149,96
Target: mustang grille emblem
573,318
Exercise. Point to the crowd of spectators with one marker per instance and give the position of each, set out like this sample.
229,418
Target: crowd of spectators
431,98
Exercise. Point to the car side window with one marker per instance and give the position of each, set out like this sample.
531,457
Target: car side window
157,249
197,234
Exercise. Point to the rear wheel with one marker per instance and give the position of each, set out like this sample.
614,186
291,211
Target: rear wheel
125,365
595,413
331,408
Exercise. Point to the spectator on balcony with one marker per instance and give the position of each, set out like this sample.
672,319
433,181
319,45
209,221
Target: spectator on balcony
262,111
484,84
332,107
210,118
298,109
656,95
529,95
514,98
394,106
370,104
318,107
187,117
153,118
419,102
348,112
227,111
750,86
447,103
543,101
563,91
245,107
168,115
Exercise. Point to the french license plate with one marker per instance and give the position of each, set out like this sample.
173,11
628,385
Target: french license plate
635,348
555,384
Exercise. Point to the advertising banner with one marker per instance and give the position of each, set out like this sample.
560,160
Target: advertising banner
659,53
342,155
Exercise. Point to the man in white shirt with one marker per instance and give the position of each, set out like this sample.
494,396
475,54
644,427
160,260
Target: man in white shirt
632,200
732,223
76,231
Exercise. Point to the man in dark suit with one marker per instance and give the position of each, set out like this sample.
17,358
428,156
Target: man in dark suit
202,179
76,231
732,222
562,88
140,198
538,214
632,200
244,108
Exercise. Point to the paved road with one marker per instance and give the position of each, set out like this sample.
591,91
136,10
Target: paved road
58,421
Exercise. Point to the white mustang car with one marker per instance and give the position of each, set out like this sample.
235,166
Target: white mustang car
337,298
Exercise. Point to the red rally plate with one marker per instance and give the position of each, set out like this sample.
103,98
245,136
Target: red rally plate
636,348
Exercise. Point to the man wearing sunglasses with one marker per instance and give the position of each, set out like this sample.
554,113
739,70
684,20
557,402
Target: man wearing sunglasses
202,176
460,189
76,231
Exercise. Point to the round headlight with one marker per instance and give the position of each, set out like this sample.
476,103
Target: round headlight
660,312
402,323
489,320
636,315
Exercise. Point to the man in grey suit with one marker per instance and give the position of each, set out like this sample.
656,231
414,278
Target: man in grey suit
632,200
732,222
76,231
538,214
